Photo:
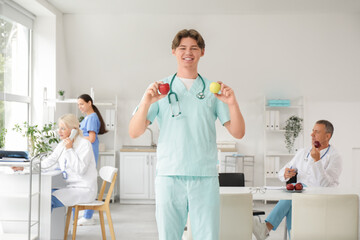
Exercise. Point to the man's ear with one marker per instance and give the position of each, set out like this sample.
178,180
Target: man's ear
202,52
328,136
173,51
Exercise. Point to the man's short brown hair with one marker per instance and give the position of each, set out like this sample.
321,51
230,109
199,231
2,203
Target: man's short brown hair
329,128
191,33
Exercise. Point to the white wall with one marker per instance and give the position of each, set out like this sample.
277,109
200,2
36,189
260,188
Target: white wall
280,56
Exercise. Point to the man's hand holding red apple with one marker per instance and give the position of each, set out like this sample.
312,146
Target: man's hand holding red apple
289,173
315,153
152,94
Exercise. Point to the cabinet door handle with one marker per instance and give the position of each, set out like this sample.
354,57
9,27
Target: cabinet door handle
147,160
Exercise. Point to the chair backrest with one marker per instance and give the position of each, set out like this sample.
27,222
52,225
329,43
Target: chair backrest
236,216
322,216
231,180
108,174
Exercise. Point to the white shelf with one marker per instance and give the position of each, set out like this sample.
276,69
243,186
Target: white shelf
275,131
280,155
69,100
284,107
107,152
275,152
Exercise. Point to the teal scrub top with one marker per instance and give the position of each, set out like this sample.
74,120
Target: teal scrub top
187,143
92,123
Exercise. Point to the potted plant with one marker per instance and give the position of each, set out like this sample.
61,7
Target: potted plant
39,140
3,132
61,94
292,129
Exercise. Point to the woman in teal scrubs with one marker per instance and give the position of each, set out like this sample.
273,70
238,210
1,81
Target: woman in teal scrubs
186,175
92,125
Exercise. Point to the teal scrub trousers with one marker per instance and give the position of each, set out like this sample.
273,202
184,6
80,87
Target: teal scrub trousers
176,196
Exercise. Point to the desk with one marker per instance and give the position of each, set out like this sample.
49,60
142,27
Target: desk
51,224
280,194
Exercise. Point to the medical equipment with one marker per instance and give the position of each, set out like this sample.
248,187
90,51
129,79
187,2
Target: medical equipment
200,95
307,156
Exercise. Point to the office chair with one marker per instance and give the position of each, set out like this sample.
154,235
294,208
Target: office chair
235,180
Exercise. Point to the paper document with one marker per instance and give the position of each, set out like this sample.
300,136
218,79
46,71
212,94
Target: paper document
274,187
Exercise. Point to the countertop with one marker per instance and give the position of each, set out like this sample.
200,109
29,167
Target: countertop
153,149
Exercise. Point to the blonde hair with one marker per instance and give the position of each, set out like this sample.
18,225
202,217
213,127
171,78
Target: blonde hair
71,122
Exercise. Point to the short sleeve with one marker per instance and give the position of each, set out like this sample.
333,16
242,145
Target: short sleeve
222,111
93,124
152,113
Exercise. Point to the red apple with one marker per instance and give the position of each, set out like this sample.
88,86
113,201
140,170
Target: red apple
317,144
164,88
290,186
298,186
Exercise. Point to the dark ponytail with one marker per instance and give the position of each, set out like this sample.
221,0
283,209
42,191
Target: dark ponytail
87,99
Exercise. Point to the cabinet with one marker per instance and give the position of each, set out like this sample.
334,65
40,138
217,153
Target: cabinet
275,153
20,203
137,177
107,141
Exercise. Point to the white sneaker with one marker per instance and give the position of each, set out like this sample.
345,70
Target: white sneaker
85,222
260,229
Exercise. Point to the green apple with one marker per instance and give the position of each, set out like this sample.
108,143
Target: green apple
215,87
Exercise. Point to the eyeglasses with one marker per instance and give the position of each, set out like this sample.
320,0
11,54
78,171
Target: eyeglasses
254,190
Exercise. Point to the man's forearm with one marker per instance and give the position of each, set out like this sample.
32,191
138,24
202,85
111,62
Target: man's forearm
138,123
236,126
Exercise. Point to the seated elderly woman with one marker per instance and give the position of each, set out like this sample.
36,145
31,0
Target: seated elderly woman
75,157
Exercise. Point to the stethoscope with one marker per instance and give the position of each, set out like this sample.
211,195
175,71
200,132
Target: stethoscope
307,156
200,95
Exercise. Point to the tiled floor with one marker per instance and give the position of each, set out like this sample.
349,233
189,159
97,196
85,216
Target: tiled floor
137,222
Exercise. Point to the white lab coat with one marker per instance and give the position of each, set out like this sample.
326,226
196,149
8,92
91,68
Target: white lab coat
323,173
79,163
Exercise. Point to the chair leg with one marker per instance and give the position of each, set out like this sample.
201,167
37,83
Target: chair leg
112,232
102,224
75,222
68,217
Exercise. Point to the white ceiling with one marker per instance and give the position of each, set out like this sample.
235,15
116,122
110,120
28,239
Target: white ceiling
205,6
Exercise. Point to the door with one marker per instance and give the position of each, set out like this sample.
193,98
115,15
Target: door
134,175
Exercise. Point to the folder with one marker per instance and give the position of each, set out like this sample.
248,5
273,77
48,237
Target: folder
272,120
107,118
112,119
267,120
277,165
277,120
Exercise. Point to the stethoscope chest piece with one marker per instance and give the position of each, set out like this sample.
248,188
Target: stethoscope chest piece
200,95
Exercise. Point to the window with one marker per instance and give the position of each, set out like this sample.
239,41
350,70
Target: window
14,74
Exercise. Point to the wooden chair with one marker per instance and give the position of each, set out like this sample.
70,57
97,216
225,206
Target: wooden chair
108,174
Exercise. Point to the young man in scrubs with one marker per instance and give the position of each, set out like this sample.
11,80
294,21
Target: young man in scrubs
315,167
187,178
